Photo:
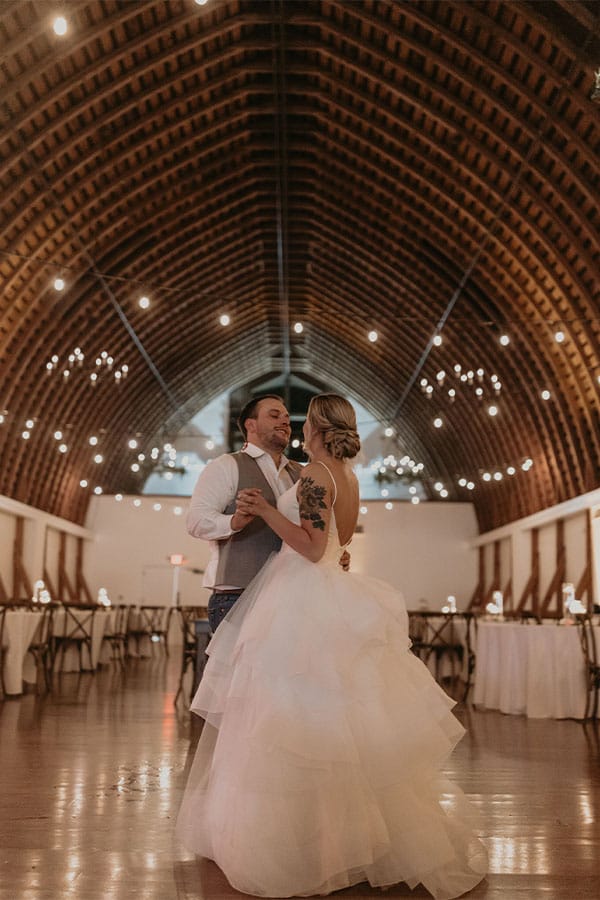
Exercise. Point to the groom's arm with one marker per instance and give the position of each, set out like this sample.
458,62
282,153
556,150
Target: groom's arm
215,488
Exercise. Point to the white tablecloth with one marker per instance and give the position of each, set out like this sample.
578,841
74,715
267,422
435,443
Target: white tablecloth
19,628
532,670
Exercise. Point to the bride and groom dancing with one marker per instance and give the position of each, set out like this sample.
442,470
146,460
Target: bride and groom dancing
319,763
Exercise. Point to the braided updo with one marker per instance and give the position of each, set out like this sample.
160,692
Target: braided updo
334,418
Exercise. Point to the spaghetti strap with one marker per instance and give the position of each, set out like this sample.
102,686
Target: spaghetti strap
332,478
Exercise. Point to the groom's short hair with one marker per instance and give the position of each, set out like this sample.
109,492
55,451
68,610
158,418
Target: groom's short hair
250,410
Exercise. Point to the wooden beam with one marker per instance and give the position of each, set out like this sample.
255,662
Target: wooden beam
554,590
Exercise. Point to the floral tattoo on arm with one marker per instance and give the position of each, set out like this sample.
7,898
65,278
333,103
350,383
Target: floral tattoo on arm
311,502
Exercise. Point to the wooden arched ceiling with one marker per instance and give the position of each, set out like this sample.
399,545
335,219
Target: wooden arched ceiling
404,167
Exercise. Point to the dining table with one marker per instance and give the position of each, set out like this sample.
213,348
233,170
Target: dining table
21,625
535,670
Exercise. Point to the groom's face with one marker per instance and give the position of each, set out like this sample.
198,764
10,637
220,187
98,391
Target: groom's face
270,430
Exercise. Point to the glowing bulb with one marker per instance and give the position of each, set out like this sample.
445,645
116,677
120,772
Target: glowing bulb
156,507
59,27
559,337
93,440
98,458
444,493
118,497
83,483
493,410
414,500
487,476
389,432
144,302
546,395
224,319
97,489
389,505
132,444
437,423
504,340
511,470
298,327
372,335
63,448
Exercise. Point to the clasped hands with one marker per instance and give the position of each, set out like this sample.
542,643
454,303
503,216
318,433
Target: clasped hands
251,503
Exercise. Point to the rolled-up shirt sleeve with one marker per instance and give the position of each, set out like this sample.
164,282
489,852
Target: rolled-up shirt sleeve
215,489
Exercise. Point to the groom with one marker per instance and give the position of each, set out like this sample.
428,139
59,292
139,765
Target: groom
241,544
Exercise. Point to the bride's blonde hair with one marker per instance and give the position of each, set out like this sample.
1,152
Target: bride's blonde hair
334,418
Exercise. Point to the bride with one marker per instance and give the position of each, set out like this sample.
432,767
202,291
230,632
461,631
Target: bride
319,763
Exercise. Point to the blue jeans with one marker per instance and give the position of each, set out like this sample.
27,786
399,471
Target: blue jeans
219,604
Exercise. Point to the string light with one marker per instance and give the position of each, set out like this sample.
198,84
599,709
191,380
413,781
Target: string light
59,26
372,336
298,327
144,302
224,320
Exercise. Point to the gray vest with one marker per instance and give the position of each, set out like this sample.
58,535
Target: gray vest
243,555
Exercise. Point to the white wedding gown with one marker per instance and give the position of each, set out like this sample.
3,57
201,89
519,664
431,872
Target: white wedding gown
318,766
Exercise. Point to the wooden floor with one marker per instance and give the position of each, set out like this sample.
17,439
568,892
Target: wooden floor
91,778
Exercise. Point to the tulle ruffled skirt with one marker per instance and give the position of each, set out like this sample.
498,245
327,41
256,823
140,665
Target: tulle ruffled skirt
319,763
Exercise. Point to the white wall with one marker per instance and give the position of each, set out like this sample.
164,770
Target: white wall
428,550
424,550
129,555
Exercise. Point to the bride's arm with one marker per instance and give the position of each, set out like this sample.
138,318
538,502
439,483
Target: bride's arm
314,498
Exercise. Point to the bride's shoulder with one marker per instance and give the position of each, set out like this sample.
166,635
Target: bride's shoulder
315,472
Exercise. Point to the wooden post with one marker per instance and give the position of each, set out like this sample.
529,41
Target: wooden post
22,585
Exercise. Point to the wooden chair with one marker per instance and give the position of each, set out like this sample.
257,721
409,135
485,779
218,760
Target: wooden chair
187,617
117,637
77,632
153,625
433,636
591,663
41,646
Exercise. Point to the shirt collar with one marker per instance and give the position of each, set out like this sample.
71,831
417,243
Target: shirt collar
254,451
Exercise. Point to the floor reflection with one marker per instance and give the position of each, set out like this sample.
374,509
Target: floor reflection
91,777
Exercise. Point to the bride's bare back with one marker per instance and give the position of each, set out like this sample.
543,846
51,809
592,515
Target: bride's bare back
346,498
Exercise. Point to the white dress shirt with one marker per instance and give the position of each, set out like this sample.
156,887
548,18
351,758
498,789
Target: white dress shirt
216,487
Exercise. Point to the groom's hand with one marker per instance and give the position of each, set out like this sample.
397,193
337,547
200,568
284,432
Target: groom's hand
242,515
